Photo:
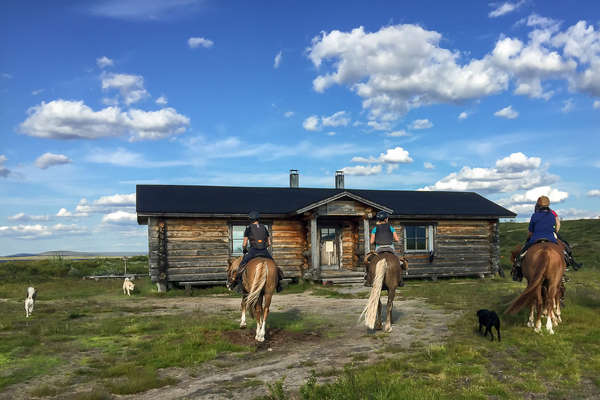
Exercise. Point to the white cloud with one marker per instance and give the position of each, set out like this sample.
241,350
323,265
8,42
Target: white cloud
117,200
379,126
597,104
311,123
391,156
4,172
50,159
594,193
277,60
130,87
428,165
72,229
421,124
509,175
524,202
507,112
36,92
288,114
518,162
504,8
340,118
195,42
391,167
144,10
26,232
463,115
574,213
120,218
162,100
62,119
362,170
568,106
22,217
64,213
104,62
399,133
331,133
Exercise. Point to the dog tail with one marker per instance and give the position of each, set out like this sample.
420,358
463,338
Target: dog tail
529,294
370,310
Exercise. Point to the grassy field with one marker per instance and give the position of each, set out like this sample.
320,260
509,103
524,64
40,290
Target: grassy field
85,341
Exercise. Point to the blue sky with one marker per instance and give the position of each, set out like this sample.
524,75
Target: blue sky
500,98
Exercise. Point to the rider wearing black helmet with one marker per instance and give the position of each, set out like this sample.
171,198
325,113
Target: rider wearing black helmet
258,236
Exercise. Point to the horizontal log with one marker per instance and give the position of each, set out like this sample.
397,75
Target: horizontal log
197,270
197,277
206,263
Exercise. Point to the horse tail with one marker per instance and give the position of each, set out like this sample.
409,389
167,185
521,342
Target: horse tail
258,283
527,296
370,310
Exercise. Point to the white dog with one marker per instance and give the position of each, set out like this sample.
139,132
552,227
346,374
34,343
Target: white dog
29,301
128,286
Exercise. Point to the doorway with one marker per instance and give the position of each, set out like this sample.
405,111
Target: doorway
329,244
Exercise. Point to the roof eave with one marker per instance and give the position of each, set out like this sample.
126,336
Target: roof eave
339,196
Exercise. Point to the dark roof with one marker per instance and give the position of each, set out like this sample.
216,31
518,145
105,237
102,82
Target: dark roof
174,199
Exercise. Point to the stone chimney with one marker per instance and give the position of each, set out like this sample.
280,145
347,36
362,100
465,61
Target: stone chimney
339,179
294,178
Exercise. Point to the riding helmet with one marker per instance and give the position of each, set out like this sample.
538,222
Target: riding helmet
382,215
253,216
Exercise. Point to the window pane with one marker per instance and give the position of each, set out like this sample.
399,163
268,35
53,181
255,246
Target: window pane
410,244
420,231
237,246
238,231
421,244
410,231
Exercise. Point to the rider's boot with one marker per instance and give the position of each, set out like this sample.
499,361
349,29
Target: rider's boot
517,275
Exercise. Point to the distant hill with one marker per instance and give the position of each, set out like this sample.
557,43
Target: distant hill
67,253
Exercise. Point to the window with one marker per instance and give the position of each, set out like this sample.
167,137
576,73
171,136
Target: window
418,237
236,238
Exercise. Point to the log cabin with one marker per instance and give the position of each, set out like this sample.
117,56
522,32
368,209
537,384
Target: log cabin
320,234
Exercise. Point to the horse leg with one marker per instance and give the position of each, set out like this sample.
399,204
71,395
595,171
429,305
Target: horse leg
378,321
243,319
538,319
259,319
390,305
550,308
530,323
266,306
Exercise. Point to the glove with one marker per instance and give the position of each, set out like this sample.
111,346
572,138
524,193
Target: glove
244,250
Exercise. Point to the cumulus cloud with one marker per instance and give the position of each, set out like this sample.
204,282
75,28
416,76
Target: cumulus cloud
4,172
509,175
311,123
428,165
523,203
104,62
64,213
504,8
277,60
22,217
574,213
117,200
594,193
47,160
36,231
507,112
396,155
597,104
421,124
463,115
195,42
162,101
379,126
362,170
120,218
107,204
63,119
130,87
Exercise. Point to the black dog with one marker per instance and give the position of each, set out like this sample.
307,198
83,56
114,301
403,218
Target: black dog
488,319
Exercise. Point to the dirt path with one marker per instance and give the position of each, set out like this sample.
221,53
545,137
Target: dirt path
296,356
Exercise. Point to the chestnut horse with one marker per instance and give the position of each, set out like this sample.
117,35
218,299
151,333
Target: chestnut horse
260,281
543,267
388,276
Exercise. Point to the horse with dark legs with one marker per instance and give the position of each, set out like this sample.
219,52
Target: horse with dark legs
388,270
259,280
543,267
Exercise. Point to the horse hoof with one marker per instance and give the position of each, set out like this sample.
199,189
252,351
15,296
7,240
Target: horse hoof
242,326
388,329
537,330
378,327
530,324
261,339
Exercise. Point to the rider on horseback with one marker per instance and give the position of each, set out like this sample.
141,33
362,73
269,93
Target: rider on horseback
258,236
383,235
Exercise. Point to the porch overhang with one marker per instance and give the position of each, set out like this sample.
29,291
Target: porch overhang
341,195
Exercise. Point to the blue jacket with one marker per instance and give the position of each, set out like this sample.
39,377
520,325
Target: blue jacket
542,226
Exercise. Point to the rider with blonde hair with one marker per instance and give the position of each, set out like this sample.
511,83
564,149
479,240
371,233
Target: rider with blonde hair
383,237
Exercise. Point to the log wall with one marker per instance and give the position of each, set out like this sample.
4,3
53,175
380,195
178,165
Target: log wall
289,244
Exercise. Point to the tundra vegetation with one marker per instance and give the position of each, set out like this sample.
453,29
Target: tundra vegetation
88,341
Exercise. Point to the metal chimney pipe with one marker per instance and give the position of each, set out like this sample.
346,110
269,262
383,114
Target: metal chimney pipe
339,179
294,178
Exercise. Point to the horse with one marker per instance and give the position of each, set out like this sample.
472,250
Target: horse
260,282
388,275
543,267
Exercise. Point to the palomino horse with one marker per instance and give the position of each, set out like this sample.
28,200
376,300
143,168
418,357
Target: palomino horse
259,280
388,275
543,267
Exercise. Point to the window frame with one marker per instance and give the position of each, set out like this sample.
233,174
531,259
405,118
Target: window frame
231,225
429,237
